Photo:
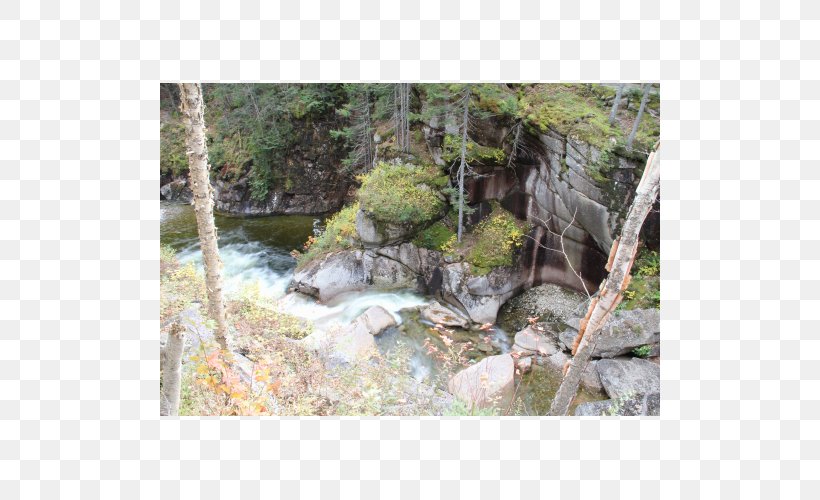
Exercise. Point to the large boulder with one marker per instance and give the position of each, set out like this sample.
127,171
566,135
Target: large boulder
628,377
353,343
589,379
480,297
643,404
438,314
623,331
385,273
490,382
327,277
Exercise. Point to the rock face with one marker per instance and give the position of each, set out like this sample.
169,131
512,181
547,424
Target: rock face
438,314
353,343
628,377
176,190
623,331
373,233
488,382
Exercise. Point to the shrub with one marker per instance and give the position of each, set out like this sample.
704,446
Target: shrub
180,285
172,157
571,111
402,193
496,239
642,351
255,315
434,237
339,234
476,153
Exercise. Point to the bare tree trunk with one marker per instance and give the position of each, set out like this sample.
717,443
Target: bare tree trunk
615,104
401,95
463,165
193,108
620,262
640,115
171,363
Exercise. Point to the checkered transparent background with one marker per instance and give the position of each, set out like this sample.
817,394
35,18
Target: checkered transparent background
79,233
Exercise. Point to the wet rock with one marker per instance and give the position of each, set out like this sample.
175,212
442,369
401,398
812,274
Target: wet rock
626,377
488,382
176,190
327,277
589,379
623,331
439,314
532,341
375,320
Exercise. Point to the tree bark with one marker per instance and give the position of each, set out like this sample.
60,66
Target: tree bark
193,109
614,112
640,115
462,166
611,291
171,363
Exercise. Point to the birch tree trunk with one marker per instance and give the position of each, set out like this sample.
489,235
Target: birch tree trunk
615,104
193,109
463,164
640,115
171,363
620,262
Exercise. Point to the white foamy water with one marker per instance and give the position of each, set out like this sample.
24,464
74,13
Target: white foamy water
346,307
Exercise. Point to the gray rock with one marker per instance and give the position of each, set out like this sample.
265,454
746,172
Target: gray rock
439,314
589,379
524,364
176,190
626,377
643,404
351,344
490,380
327,277
549,302
375,320
623,331
375,233
532,341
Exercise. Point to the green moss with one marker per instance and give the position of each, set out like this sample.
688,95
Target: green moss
476,153
570,109
339,234
434,237
400,193
495,240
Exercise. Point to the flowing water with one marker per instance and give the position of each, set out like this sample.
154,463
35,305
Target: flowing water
258,249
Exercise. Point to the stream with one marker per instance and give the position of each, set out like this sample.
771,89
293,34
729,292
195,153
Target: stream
258,249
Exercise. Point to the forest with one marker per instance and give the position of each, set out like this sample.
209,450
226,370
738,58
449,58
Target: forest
410,249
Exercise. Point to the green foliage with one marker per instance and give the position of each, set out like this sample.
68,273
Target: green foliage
496,239
180,285
172,157
339,234
569,110
644,288
476,153
402,193
459,409
435,237
253,314
642,351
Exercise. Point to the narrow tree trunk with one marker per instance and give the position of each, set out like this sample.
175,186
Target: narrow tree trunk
463,165
171,363
614,112
640,115
611,291
193,108
514,149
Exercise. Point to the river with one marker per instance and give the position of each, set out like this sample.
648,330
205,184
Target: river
258,249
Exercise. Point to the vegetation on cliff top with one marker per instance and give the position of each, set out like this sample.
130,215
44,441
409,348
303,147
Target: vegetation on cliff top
339,234
400,193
